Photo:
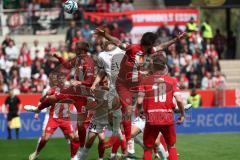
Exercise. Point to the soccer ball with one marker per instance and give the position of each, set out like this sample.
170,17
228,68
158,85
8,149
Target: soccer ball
70,6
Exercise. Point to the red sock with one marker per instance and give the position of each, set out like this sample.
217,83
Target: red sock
173,153
124,146
116,145
162,141
127,124
147,154
112,140
41,144
101,149
82,135
44,104
74,145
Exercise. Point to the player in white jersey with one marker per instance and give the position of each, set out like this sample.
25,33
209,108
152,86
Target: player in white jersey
96,129
57,116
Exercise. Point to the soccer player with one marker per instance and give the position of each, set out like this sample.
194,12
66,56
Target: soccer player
156,94
96,129
83,77
57,116
108,64
129,74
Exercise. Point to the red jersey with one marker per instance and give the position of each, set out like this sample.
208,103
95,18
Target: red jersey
158,91
131,63
59,110
84,68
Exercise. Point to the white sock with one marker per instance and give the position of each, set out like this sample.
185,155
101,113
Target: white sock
131,148
162,152
84,153
112,155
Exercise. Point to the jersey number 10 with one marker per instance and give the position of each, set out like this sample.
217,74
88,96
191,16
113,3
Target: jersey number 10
159,92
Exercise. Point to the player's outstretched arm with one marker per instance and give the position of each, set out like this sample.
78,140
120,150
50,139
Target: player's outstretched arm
98,79
165,45
109,37
180,104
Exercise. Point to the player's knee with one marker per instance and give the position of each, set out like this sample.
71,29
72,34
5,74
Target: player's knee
172,145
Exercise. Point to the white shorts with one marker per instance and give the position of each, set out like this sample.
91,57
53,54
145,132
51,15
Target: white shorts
139,123
96,127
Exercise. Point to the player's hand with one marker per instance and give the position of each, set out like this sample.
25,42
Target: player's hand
182,35
99,31
92,88
36,116
181,119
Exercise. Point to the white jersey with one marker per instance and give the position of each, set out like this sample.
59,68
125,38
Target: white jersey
110,62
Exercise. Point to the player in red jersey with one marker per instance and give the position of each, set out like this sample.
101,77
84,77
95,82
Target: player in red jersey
57,116
130,69
83,77
156,94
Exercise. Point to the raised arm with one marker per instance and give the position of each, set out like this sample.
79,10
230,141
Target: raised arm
165,45
116,41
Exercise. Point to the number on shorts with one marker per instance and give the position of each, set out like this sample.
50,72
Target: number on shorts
92,126
159,92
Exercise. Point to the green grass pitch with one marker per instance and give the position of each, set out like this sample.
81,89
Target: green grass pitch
190,147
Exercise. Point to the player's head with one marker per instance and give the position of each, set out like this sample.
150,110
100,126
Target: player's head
53,79
61,79
148,39
82,48
159,62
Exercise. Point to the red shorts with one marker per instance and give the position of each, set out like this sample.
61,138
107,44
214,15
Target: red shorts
151,132
64,124
125,93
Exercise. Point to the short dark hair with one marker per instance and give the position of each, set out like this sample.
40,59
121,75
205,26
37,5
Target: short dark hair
159,62
148,39
82,46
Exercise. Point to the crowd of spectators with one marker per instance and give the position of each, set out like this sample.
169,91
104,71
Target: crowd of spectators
193,61
88,5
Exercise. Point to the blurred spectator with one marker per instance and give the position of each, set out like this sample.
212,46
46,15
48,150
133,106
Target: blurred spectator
37,51
114,6
183,81
163,28
211,52
176,31
3,84
116,30
191,26
219,80
207,33
25,71
195,99
12,51
126,6
78,37
2,59
102,6
219,41
15,80
24,55
71,32
194,82
231,46
6,42
49,49
36,67
86,32
207,81
25,86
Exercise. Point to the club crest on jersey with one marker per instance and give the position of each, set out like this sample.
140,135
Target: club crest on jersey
140,58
